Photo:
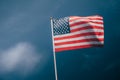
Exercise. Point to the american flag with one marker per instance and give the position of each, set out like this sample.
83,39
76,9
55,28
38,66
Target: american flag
77,32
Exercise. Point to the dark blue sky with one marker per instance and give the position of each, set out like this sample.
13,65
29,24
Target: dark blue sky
26,42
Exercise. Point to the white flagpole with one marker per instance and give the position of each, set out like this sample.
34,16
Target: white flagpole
55,66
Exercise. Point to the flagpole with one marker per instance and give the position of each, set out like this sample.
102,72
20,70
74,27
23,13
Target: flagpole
55,66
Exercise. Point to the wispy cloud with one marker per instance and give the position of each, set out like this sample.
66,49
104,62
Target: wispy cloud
21,59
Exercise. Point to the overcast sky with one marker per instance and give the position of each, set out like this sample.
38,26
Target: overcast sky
26,42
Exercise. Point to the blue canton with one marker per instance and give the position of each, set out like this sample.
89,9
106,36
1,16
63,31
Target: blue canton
61,26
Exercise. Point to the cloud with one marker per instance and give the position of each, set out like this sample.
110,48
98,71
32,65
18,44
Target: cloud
21,59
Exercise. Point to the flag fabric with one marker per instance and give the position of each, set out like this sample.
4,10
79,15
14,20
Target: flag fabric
76,32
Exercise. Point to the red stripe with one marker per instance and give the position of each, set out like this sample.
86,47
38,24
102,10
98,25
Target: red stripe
79,41
79,35
86,16
84,22
78,23
77,47
87,27
77,18
70,20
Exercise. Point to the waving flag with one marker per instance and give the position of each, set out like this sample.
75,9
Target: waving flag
77,32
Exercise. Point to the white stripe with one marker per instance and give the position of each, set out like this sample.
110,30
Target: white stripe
93,17
79,44
79,32
79,38
81,20
85,25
